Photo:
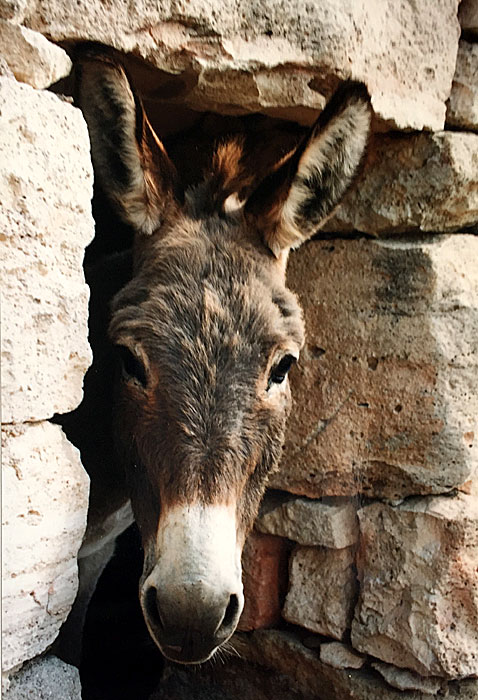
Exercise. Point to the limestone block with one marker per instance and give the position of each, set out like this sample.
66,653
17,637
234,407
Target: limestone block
223,57
462,108
418,602
468,16
5,71
45,500
32,58
385,390
45,225
414,183
45,678
284,653
322,590
328,524
264,575
340,655
407,680
13,10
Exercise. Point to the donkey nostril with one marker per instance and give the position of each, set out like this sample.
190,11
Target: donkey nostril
152,607
231,613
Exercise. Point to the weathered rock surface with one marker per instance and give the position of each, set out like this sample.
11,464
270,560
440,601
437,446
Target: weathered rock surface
385,391
264,575
310,522
13,10
340,655
468,16
418,602
407,680
241,57
414,183
45,224
32,58
284,653
322,590
45,678
462,108
44,518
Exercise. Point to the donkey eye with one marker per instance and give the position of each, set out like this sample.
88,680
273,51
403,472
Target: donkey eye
279,372
131,366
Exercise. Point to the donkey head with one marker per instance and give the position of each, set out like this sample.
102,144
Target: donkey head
206,332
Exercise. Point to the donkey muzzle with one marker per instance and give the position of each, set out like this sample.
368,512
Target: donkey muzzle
193,597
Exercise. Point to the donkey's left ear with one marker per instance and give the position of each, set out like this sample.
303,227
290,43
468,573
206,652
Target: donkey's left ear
297,198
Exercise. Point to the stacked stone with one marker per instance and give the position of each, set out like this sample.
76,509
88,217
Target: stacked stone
45,224
367,552
378,487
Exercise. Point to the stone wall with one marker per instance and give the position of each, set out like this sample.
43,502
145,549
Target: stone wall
361,574
45,224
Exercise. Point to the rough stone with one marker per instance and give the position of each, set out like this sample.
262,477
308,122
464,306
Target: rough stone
13,10
45,225
418,602
264,575
285,654
414,183
462,107
45,678
327,524
407,680
32,58
44,518
223,58
322,590
385,390
468,16
340,655
5,71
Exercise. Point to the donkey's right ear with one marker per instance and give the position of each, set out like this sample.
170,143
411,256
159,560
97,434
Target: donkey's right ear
131,163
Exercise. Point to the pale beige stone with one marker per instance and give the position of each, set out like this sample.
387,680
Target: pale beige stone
418,602
404,51
340,655
322,590
45,501
407,680
414,183
32,58
462,108
385,390
13,10
45,225
328,524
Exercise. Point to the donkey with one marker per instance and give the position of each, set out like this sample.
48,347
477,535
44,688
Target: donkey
205,333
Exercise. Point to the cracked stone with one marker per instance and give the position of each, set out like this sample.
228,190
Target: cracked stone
263,56
322,590
462,108
45,225
414,183
407,680
418,601
340,655
328,524
389,367
31,57
44,519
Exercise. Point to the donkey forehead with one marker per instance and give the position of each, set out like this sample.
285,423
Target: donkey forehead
206,295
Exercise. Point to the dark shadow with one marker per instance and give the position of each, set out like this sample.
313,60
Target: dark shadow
120,661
